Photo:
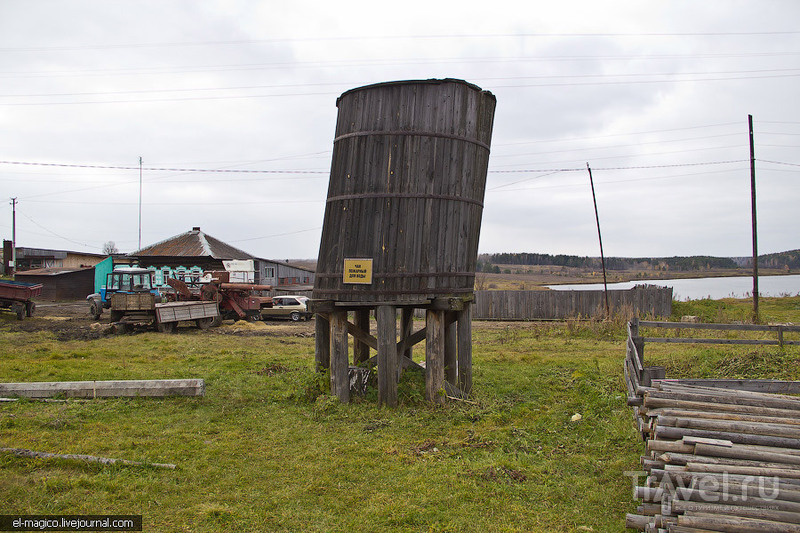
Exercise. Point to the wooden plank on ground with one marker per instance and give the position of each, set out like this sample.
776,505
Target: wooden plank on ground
105,389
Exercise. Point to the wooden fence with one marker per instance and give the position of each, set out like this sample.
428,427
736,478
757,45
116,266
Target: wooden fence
554,305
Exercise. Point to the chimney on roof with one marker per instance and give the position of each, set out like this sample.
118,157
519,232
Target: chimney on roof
196,228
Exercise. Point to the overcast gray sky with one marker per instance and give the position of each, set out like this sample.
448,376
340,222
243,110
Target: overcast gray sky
653,95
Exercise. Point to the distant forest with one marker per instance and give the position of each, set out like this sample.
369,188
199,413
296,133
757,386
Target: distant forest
785,260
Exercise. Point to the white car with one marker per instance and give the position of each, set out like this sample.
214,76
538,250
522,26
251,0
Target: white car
292,307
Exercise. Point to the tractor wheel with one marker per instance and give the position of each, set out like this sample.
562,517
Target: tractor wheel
216,321
120,328
95,309
30,307
18,308
204,323
166,327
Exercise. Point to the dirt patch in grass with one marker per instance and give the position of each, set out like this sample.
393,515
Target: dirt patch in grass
69,321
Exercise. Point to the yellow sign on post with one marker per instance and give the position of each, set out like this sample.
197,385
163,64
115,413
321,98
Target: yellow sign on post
358,271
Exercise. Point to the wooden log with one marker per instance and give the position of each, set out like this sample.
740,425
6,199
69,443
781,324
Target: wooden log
22,452
649,509
105,389
651,402
322,342
434,356
676,433
464,333
386,316
784,473
737,452
736,426
745,487
340,379
735,510
685,459
675,528
648,494
736,524
763,401
678,387
635,521
361,348
669,446
753,385
743,417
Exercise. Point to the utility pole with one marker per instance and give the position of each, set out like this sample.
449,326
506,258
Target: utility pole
753,206
140,203
14,235
600,238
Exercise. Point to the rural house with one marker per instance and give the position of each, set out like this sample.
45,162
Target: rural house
191,254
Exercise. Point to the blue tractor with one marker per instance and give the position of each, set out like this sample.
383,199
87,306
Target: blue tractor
128,280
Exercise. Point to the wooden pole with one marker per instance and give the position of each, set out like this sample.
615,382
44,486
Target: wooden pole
361,349
464,332
322,342
451,348
386,316
434,356
600,238
340,381
407,329
753,210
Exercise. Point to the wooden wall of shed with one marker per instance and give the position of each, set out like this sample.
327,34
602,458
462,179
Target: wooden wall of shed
74,285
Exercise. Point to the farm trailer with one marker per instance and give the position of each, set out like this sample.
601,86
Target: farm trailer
16,296
129,310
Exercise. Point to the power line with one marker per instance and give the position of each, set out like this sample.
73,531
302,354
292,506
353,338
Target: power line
389,38
350,83
380,62
164,169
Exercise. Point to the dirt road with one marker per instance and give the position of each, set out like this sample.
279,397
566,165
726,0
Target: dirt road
71,321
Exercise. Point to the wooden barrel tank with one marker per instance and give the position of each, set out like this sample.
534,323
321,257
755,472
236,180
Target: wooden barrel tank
405,198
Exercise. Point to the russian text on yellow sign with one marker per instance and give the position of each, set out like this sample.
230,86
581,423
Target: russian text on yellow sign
358,271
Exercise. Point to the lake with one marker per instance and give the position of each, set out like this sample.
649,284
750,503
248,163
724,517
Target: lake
714,288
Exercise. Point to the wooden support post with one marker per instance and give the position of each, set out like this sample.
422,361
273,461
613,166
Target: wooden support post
361,349
386,316
340,381
639,343
322,342
464,334
407,328
451,349
434,356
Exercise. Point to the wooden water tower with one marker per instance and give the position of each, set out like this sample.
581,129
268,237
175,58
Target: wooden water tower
401,228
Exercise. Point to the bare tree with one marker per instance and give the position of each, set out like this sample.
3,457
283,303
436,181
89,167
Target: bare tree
110,247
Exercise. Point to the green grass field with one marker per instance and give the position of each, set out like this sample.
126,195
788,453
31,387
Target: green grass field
265,451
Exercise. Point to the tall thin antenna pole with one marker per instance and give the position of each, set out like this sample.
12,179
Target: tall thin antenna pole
14,235
600,238
140,203
753,206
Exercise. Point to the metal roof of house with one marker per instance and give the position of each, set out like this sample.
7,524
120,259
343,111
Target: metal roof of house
51,271
193,243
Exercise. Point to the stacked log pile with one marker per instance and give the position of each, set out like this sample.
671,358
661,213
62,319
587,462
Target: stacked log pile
718,459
